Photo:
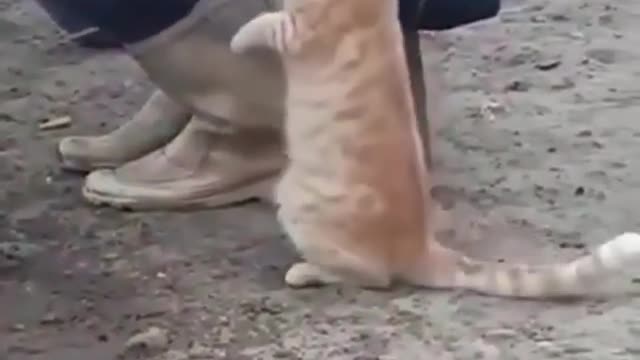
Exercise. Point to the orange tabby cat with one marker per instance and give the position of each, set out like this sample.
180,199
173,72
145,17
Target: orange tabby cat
354,197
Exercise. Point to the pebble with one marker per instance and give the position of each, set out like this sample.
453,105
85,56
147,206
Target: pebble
152,339
14,252
518,85
548,65
585,133
500,334
199,351
563,84
550,349
50,319
175,355
485,351
17,328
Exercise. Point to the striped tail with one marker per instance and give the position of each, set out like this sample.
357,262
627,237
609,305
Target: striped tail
448,269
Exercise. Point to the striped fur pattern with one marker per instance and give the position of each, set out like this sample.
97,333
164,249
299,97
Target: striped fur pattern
354,197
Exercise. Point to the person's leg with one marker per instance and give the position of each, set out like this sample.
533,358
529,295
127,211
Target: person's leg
438,15
159,120
231,150
417,76
434,15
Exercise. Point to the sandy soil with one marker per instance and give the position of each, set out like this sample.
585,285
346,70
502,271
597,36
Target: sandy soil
538,153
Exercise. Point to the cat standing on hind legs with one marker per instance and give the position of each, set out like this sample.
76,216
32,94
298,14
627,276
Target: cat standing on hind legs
353,198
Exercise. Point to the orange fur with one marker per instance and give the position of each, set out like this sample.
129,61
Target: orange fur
354,197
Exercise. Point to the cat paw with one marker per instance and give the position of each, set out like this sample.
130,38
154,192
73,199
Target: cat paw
252,34
624,247
305,274
240,42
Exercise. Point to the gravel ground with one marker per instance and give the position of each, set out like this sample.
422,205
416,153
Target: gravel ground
537,153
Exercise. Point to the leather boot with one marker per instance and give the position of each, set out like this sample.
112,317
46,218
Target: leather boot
232,150
202,167
159,121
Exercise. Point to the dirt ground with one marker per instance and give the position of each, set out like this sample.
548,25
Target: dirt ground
537,152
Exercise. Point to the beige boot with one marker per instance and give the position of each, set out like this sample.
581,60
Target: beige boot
232,150
159,121
201,168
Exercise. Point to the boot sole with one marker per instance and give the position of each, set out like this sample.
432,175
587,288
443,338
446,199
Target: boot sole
84,167
261,190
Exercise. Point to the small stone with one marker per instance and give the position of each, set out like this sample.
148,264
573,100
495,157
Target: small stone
549,348
50,319
17,327
17,252
55,123
605,19
575,349
518,85
559,17
577,35
199,351
224,320
225,336
175,355
153,339
538,19
219,354
485,351
110,256
603,55
563,84
548,65
500,334
585,133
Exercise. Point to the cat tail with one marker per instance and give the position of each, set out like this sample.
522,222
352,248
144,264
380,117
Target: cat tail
446,268
274,30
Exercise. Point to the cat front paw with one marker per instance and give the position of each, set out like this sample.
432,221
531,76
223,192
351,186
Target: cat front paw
240,42
251,34
304,274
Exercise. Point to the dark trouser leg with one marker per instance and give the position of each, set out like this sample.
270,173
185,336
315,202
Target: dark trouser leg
432,15
437,15
416,71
